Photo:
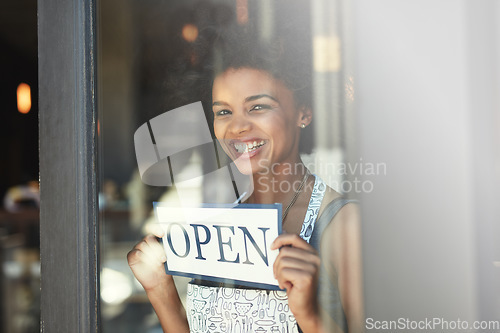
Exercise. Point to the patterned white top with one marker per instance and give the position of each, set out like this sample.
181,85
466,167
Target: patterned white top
235,310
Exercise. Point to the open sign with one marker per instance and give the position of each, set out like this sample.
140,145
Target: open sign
222,242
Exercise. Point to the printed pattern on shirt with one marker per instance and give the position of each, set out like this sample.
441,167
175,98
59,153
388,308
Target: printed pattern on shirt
313,209
233,310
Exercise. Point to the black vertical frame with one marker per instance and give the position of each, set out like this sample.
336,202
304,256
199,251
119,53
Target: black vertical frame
68,168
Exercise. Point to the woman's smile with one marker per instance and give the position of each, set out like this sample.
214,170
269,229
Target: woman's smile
246,148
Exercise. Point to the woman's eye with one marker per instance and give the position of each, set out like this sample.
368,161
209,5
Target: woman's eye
222,113
259,107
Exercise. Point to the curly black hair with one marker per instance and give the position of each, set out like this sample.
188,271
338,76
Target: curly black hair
279,57
286,57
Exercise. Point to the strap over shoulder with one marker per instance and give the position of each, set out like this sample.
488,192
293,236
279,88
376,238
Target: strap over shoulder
328,293
325,218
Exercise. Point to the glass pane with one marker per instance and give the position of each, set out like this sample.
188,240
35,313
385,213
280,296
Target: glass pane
159,56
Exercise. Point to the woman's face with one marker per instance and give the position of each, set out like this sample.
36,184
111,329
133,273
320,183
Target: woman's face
256,120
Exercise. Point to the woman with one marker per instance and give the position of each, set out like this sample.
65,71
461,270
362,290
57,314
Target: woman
258,117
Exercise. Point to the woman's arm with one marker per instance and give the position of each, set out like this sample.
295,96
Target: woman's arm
146,260
168,307
341,246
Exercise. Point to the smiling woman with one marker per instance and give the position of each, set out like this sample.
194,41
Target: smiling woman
260,110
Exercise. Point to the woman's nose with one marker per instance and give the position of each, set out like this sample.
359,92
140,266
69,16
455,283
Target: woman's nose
239,124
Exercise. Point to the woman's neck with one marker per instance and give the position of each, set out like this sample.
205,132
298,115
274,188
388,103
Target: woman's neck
278,184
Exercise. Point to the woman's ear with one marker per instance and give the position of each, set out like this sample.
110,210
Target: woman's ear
305,117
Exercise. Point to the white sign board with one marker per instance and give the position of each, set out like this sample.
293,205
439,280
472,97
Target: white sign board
222,243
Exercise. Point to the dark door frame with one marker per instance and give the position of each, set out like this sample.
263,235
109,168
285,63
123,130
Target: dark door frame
68,166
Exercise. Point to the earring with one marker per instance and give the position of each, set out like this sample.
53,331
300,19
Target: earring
303,125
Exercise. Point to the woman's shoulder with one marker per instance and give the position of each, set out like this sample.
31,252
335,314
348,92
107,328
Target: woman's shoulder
330,195
340,221
344,221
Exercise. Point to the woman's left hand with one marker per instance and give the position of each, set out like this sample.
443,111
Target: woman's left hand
297,268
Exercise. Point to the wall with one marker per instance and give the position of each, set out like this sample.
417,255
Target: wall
427,109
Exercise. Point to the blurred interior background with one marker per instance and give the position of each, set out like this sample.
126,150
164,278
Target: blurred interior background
19,217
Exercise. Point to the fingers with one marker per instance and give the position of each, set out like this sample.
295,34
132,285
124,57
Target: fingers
156,248
297,263
300,279
149,251
291,240
290,258
137,258
134,257
157,230
292,264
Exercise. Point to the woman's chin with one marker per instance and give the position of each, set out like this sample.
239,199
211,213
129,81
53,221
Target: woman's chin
247,166
244,167
249,163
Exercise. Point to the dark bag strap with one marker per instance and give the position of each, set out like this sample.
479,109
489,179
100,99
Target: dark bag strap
328,293
326,217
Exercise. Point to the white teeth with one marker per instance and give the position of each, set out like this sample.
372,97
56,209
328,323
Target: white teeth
241,147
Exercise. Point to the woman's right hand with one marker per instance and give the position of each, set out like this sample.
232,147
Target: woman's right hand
146,260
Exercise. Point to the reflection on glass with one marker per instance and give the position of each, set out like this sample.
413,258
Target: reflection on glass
158,62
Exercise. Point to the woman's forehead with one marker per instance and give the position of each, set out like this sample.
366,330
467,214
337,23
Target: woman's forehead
244,82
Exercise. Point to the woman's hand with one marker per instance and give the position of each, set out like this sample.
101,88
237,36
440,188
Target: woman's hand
297,268
146,260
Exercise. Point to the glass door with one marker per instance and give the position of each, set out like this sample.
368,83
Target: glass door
159,56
